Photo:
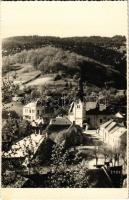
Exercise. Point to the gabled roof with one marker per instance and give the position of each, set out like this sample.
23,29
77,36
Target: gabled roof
24,146
111,126
118,133
71,107
99,178
119,115
77,101
114,128
60,121
107,123
32,104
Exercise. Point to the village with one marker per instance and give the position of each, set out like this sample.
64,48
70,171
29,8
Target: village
92,133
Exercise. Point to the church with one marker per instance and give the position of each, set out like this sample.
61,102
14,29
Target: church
77,111
93,117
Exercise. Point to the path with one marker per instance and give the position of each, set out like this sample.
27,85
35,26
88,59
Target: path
92,138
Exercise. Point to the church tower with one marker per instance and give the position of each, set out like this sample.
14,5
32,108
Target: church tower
77,110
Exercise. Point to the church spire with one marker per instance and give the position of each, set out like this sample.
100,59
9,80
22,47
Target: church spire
80,92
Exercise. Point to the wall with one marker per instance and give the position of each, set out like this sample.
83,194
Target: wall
77,113
95,121
33,115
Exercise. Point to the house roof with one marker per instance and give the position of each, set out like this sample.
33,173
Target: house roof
91,105
119,115
111,126
106,123
57,125
96,111
24,146
119,132
32,104
71,107
60,121
114,128
99,178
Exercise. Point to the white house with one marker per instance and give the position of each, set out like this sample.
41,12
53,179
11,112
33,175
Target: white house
32,111
77,112
118,136
113,133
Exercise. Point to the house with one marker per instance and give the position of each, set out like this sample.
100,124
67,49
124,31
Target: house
114,133
56,125
118,137
96,117
90,105
32,111
71,136
24,147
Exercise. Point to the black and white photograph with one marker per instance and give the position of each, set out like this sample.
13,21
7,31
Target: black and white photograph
64,94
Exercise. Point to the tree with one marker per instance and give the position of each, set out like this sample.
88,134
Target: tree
62,174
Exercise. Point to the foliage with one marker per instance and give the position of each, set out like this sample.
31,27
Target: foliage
13,130
8,90
93,64
104,49
12,114
64,175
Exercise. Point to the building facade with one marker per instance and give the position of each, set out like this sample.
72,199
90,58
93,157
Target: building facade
32,111
77,112
113,133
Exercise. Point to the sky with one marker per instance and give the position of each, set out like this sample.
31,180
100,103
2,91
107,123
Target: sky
64,19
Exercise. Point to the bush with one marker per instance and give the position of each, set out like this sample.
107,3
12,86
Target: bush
57,77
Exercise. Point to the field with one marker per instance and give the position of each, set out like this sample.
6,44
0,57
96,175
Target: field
14,106
23,74
39,81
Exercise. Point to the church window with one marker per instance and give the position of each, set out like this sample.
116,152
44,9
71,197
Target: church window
78,106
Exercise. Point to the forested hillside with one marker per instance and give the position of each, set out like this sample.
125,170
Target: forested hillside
99,59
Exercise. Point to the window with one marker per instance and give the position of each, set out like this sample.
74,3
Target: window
30,110
78,106
33,111
38,112
101,120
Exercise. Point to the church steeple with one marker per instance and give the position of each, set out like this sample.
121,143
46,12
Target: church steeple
77,109
80,92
